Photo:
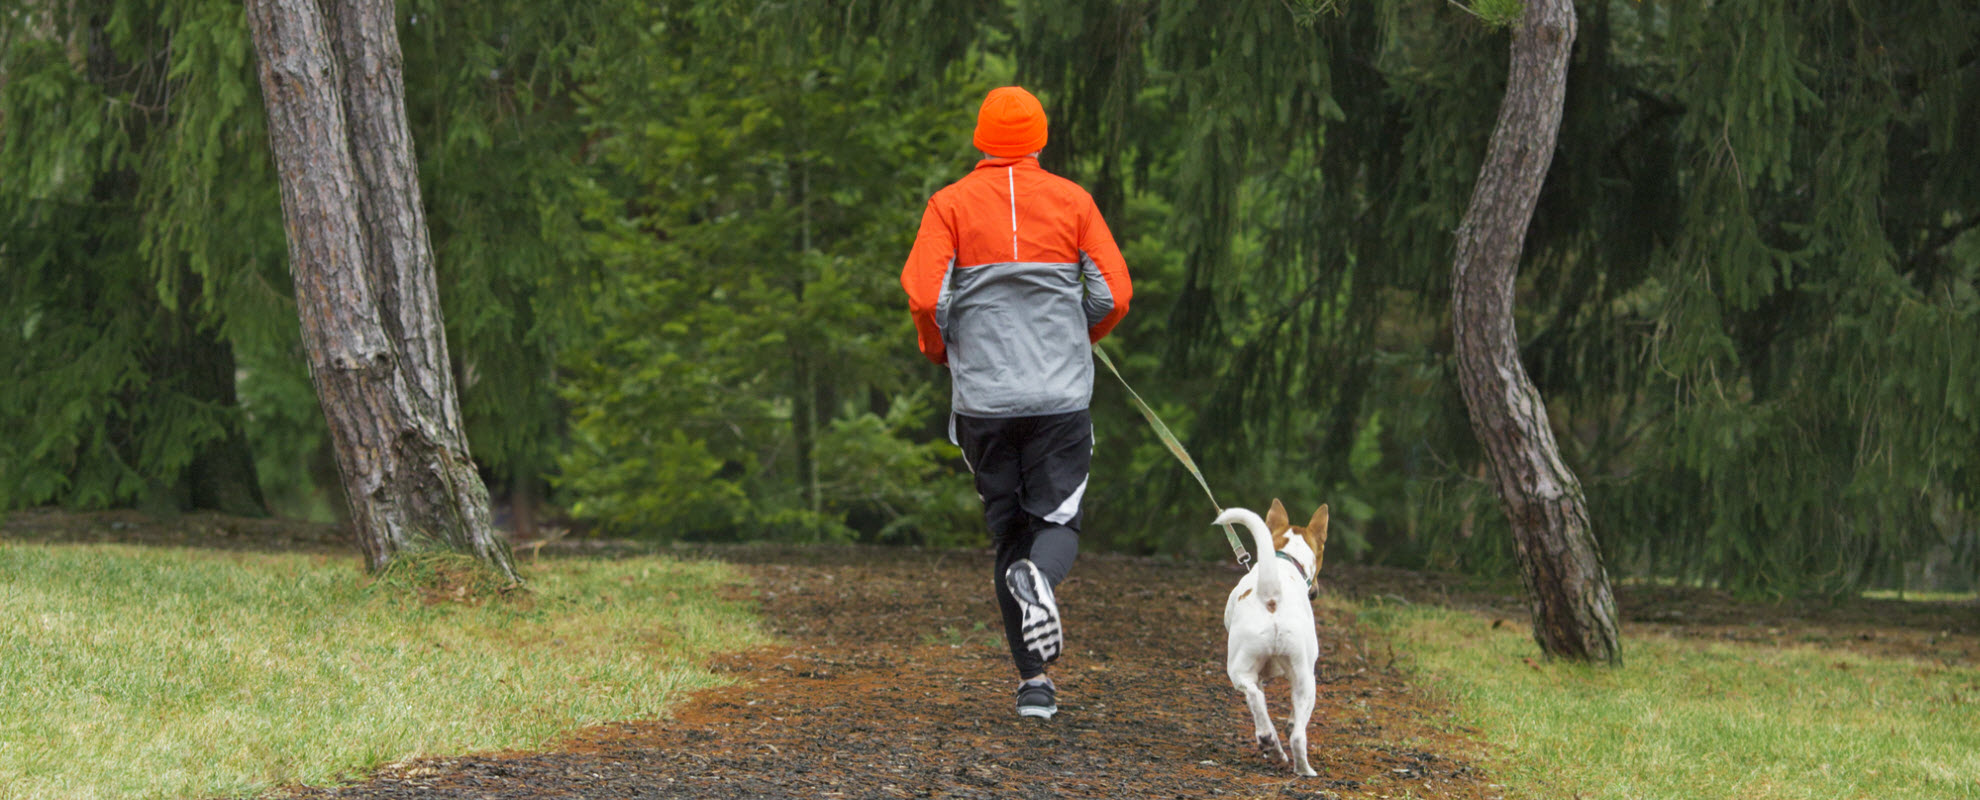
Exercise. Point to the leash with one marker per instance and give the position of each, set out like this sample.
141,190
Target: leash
1175,448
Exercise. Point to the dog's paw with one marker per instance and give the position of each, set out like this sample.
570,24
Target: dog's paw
1269,747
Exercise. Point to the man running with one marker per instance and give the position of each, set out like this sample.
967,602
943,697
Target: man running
1012,277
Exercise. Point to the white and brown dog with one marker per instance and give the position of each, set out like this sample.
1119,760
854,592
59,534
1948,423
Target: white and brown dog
1271,630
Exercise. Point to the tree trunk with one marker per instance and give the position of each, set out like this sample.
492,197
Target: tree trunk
1573,610
221,476
364,279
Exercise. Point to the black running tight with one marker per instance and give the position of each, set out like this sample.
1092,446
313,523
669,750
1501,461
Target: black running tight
1031,473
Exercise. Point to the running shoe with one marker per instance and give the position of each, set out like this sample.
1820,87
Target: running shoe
1040,613
1038,698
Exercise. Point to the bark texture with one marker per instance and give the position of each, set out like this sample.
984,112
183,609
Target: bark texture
1573,608
365,286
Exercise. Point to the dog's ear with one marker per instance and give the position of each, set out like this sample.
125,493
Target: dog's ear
1316,535
1319,524
1276,520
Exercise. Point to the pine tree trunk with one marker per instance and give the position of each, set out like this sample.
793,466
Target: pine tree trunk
1573,609
221,476
364,278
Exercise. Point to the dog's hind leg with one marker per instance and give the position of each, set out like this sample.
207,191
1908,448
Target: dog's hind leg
1261,719
1303,696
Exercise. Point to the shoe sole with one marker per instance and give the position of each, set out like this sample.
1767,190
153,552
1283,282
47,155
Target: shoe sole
1041,630
1038,712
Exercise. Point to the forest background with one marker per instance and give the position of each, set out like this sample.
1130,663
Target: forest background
669,235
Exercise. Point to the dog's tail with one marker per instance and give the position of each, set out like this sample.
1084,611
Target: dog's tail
1261,548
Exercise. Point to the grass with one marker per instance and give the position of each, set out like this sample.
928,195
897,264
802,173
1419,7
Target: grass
1923,597
1699,720
160,673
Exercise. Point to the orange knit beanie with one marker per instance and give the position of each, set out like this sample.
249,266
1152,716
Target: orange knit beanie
1010,123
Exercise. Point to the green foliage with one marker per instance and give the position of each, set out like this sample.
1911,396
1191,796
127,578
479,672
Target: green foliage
749,366
144,236
669,233
1806,414
141,234
906,485
1496,13
1757,368
1255,305
282,418
490,92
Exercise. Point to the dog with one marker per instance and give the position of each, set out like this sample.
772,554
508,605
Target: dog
1271,632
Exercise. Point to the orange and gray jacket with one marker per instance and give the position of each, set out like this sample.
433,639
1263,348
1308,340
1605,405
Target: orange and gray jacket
1012,275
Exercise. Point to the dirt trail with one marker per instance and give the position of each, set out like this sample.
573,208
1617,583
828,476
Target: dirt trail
894,683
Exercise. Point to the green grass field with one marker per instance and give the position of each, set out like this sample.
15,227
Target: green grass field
164,673
1695,720
132,672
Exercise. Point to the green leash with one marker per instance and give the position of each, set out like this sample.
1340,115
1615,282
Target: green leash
1176,449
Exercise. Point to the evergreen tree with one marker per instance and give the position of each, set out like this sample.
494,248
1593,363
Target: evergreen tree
1748,291
1742,320
184,245
751,366
140,244
491,96
1808,388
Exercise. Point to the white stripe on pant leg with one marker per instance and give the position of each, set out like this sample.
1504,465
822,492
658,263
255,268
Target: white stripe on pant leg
1068,509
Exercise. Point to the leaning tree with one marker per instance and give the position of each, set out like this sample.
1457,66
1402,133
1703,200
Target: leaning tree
331,77
1574,612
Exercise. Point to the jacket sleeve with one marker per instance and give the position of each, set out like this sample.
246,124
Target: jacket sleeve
927,268
1108,288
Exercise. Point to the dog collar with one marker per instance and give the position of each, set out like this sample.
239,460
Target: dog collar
1296,565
